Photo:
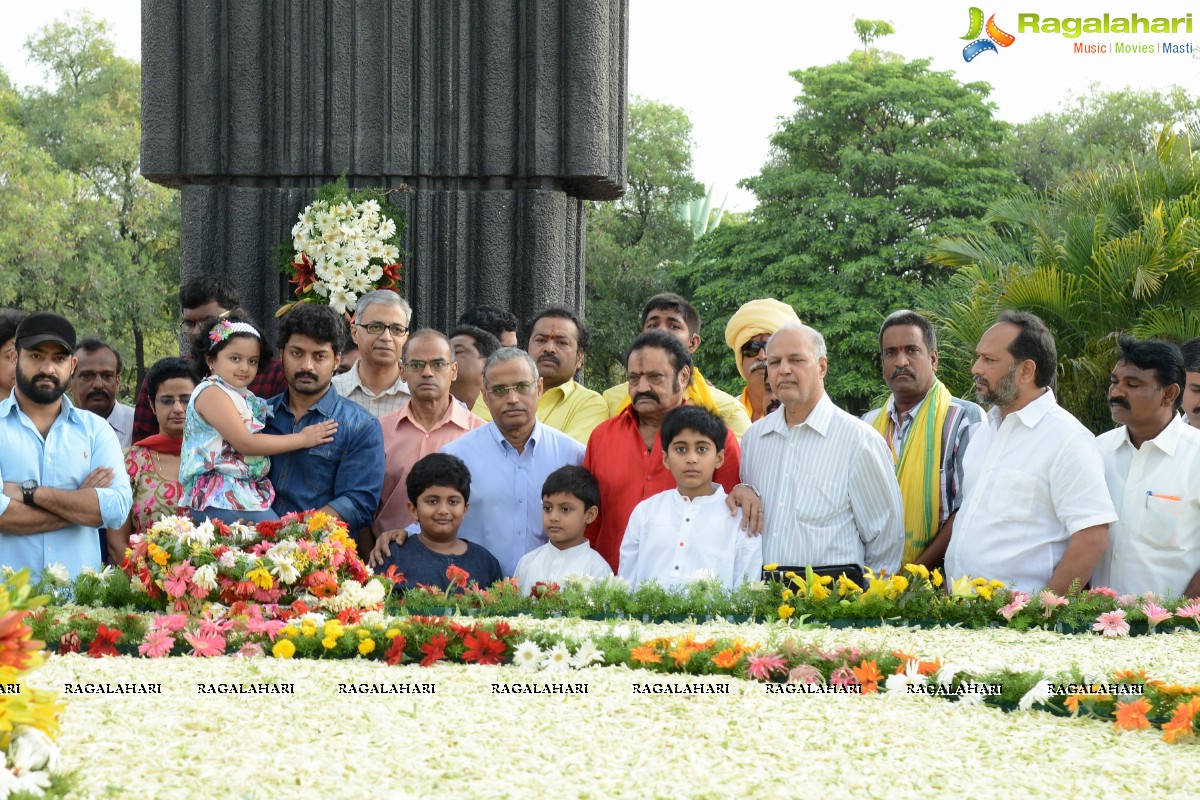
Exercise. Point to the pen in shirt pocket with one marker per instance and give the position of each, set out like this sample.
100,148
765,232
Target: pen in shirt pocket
1163,496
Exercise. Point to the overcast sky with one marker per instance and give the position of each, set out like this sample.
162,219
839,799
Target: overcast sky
727,63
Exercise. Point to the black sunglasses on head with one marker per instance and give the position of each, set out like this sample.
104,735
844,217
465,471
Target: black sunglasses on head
753,348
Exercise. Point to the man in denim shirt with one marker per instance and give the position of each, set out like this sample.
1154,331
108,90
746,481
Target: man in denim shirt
344,477
62,470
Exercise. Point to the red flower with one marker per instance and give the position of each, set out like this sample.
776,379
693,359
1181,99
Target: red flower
349,616
268,529
483,647
69,643
502,629
394,575
104,643
304,276
221,528
461,630
434,650
394,655
457,576
544,589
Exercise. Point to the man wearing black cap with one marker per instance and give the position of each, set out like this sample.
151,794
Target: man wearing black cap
62,469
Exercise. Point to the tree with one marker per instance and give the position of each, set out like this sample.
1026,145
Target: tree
1097,128
1111,250
881,157
632,243
115,260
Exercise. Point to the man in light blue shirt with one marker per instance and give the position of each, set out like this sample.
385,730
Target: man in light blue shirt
62,469
509,459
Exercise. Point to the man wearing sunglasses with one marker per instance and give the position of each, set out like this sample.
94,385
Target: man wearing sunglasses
380,328
747,334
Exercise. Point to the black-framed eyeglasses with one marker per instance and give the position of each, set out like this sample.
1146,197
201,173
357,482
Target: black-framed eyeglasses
376,328
437,365
190,325
753,348
500,390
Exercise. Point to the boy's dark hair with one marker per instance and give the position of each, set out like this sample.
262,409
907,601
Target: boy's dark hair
485,343
316,321
93,344
203,347
677,354
10,318
573,480
493,320
583,338
438,469
164,370
205,289
1154,354
673,302
693,418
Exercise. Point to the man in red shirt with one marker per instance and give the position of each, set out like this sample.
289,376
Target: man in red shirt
625,454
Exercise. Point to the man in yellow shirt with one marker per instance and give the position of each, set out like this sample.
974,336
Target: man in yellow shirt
558,341
671,313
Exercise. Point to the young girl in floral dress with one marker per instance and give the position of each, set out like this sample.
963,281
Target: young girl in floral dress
224,460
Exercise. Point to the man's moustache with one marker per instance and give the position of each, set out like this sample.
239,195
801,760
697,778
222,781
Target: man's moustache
647,396
757,365
1116,401
899,372
309,375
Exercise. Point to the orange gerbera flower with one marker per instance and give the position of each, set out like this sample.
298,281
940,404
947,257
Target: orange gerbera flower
727,658
1181,724
868,675
1132,716
682,654
18,649
645,654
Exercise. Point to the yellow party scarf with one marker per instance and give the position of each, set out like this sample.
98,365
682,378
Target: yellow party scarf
917,469
698,394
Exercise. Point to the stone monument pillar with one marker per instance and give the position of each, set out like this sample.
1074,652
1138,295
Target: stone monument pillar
493,119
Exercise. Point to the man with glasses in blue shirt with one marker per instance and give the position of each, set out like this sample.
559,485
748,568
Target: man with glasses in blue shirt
380,329
62,469
509,459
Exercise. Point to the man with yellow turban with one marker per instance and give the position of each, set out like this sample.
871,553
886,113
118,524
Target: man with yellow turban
747,334
927,430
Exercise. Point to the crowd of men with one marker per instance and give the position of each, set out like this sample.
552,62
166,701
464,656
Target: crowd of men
1022,493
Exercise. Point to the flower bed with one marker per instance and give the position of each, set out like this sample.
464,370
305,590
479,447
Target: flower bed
611,741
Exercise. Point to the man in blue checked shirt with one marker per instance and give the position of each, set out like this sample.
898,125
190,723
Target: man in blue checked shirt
62,468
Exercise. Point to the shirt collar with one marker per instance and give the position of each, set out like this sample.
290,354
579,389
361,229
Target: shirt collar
818,419
566,389
1166,441
1031,414
326,405
890,408
534,436
456,413
355,381
68,409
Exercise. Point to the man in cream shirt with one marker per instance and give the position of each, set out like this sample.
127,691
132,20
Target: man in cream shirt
1035,509
1152,466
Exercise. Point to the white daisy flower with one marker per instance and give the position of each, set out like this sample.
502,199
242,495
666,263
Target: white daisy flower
528,657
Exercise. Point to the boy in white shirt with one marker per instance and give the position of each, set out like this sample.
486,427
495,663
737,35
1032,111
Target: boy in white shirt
570,501
675,534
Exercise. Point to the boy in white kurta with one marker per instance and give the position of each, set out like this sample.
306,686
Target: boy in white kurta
570,500
679,534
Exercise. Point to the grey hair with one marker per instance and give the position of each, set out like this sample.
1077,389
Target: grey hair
815,339
509,354
382,297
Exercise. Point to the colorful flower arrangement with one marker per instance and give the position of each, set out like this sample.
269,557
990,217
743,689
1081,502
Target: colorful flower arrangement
344,244
306,558
28,716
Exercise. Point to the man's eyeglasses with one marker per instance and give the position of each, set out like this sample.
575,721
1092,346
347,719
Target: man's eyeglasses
500,390
751,349
437,365
376,328
190,325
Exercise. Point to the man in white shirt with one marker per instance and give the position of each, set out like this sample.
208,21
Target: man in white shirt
95,384
1035,509
1191,387
380,328
1152,466
829,492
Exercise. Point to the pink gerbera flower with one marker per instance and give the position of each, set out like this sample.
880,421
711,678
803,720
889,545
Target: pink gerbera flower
1190,611
170,622
805,673
1103,590
843,676
1155,613
1051,601
761,667
178,576
1112,624
1016,602
206,644
158,643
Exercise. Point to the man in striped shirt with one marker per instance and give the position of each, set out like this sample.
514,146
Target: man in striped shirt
926,430
829,492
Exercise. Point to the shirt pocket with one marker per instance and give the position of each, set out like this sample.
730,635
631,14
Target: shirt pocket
815,503
1166,523
322,464
1012,495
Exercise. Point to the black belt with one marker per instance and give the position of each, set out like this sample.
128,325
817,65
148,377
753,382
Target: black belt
852,572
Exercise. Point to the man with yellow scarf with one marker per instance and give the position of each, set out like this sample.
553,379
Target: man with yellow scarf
927,431
671,313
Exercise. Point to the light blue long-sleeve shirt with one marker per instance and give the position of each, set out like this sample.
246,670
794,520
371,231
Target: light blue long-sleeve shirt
504,513
77,443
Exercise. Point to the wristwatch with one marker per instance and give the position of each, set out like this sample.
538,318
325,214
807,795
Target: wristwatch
27,490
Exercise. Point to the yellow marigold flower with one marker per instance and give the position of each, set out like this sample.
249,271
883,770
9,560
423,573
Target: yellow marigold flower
994,584
308,628
318,520
822,580
392,633
791,576
366,646
900,583
936,577
329,642
288,630
260,578
785,611
283,649
847,586
158,555
979,581
334,629
770,567
984,591
788,594
920,570
819,592
362,633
